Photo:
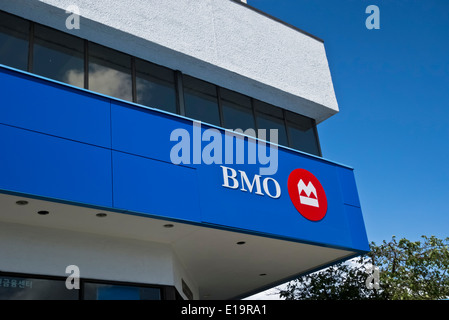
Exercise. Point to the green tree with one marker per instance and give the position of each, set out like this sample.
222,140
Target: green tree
412,270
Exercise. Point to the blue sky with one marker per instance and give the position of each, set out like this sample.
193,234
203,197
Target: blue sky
392,86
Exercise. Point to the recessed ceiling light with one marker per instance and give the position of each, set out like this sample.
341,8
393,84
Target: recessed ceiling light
241,242
101,215
168,225
22,202
43,212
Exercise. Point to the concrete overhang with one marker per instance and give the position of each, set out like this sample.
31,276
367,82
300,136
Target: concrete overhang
224,42
220,268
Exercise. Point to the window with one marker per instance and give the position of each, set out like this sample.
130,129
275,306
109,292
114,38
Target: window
17,286
200,100
302,133
110,72
58,56
24,288
155,86
100,291
237,111
270,117
14,39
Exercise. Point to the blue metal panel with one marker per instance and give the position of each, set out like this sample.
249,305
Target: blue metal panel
155,188
47,166
142,131
357,227
122,162
35,104
348,187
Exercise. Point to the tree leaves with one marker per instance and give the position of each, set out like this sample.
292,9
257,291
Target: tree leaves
409,270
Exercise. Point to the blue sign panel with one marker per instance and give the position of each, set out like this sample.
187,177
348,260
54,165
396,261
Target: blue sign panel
64,143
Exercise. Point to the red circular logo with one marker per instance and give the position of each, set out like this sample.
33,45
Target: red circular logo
307,194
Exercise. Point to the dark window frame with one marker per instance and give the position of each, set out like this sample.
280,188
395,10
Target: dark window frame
179,86
249,108
313,127
117,66
133,79
167,292
34,40
317,137
268,122
27,37
175,82
281,117
31,48
217,96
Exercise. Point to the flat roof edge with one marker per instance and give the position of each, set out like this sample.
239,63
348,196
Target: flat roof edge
277,20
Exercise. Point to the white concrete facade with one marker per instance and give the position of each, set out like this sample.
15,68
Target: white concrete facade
99,257
224,42
45,245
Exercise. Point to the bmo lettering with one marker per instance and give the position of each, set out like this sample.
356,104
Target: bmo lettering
261,186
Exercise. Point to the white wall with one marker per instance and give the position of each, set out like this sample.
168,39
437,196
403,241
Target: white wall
45,251
216,40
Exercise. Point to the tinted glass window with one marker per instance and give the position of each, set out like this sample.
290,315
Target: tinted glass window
110,72
268,122
58,56
14,35
302,134
269,117
200,100
97,291
237,111
155,86
263,107
15,288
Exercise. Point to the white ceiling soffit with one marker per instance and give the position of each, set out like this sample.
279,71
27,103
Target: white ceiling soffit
221,268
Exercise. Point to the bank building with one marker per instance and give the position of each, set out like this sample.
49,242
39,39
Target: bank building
91,95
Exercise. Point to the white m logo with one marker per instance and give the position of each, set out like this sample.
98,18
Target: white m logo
309,190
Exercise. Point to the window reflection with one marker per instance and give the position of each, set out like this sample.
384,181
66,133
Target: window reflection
110,72
58,56
99,291
200,99
302,133
237,111
269,117
267,122
16,288
14,35
155,86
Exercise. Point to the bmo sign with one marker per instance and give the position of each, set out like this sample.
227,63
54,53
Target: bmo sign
307,194
239,180
305,190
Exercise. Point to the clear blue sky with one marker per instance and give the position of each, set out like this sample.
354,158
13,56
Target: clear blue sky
392,86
